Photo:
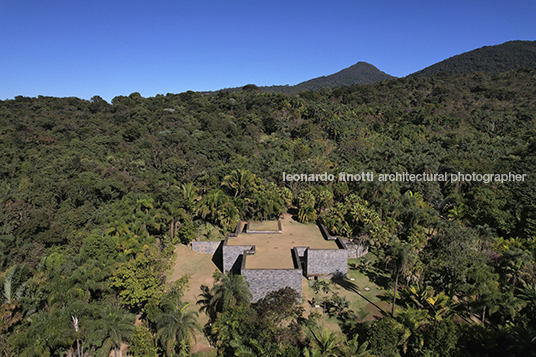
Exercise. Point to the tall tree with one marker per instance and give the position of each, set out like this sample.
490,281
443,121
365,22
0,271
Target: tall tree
115,327
176,326
231,290
401,257
240,181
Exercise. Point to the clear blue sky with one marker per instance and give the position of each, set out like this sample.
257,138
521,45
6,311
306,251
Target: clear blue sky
84,48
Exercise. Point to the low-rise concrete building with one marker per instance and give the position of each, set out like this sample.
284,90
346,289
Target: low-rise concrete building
272,259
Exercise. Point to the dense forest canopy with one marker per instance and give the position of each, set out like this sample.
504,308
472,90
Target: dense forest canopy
95,196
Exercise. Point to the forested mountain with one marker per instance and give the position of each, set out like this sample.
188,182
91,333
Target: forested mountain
489,59
359,73
94,197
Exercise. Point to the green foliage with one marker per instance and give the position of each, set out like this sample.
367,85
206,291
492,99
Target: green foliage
115,327
101,247
140,279
490,59
104,192
306,214
175,326
142,343
238,324
228,291
384,337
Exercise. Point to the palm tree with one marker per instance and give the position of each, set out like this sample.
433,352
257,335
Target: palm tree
13,289
336,223
325,342
116,326
91,278
257,349
458,213
528,295
306,214
268,204
210,205
208,303
286,195
517,265
228,216
510,306
10,313
352,348
76,310
306,198
412,321
230,291
312,352
240,181
438,305
190,195
173,211
175,326
401,256
63,291
49,334
118,228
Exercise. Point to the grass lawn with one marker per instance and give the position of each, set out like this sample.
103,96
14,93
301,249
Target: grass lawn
361,293
200,267
208,353
263,226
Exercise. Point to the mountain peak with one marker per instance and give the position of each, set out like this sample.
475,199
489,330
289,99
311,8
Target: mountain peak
359,73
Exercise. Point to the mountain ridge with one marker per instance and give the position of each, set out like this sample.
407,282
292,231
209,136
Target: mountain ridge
492,59
489,59
359,73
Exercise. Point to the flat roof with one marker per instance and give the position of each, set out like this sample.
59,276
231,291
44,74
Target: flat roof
274,251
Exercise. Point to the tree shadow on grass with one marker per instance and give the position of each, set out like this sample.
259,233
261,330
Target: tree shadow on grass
350,286
374,275
352,323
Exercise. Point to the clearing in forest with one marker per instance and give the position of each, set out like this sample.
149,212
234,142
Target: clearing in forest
263,226
273,251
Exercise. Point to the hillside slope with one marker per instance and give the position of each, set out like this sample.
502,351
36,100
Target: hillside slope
489,59
359,73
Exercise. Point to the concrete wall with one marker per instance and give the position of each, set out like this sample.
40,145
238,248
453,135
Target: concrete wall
232,260
326,262
355,250
325,232
264,281
206,247
301,250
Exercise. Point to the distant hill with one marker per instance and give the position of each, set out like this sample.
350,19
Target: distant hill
489,59
359,73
